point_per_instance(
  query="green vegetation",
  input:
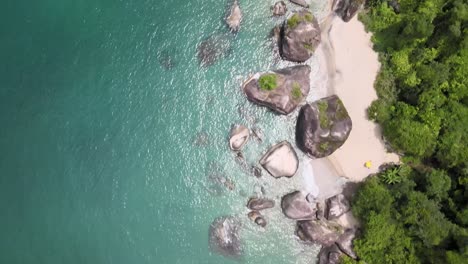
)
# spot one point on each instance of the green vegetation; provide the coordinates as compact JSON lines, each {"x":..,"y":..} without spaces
{"x":296,"y":19}
{"x":296,"y":92}
{"x":308,"y":17}
{"x":324,"y":146}
{"x":341,"y":112}
{"x":308,"y":47}
{"x":418,"y":212}
{"x":323,"y":116}
{"x":268,"y":82}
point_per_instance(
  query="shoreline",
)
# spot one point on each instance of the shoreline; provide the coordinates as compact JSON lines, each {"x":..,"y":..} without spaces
{"x":351,"y":67}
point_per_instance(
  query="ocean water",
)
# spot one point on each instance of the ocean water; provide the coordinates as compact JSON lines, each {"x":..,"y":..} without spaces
{"x":113,"y":139}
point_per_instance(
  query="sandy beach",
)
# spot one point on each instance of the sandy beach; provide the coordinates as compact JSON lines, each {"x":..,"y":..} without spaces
{"x":357,"y":66}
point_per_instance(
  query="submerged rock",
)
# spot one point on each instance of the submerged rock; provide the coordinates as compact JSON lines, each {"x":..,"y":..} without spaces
{"x":201,"y":139}
{"x":224,"y":237}
{"x":257,"y":172}
{"x":337,"y":206}
{"x":302,"y":3}
{"x":238,"y":137}
{"x":258,"y":204}
{"x":345,"y":243}
{"x":301,"y":36}
{"x":330,"y":255}
{"x":295,"y":206}
{"x":322,"y":127}
{"x":257,"y":218}
{"x":320,"y":232}
{"x":218,"y":181}
{"x":213,"y":48}
{"x":347,"y":9}
{"x":235,"y":17}
{"x":279,"y":9}
{"x":280,"y":160}
{"x":281,"y":90}
{"x":166,"y":60}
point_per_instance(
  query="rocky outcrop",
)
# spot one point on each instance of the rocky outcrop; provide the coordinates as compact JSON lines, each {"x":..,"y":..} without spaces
{"x":258,"y":204}
{"x":330,"y":255}
{"x":224,"y":237}
{"x":279,"y":9}
{"x":320,"y":232}
{"x":238,"y":137}
{"x":235,"y":17}
{"x":280,"y":160}
{"x":337,"y":206}
{"x":347,"y":9}
{"x":345,"y":243}
{"x":302,"y":3}
{"x":295,"y":206}
{"x":300,"y":37}
{"x":213,"y":48}
{"x":281,"y":90}
{"x":257,"y":218}
{"x":322,"y":127}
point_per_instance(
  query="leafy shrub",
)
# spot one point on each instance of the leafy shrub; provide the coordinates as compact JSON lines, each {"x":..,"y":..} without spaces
{"x":268,"y":82}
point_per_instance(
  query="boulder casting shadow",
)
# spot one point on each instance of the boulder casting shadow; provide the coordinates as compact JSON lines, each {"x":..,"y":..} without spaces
{"x":322,"y":127}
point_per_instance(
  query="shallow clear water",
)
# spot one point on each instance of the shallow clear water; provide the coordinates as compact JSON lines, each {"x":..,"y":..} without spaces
{"x":106,"y":155}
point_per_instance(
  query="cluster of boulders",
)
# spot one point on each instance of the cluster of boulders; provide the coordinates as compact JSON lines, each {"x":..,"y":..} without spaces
{"x":322,"y":127}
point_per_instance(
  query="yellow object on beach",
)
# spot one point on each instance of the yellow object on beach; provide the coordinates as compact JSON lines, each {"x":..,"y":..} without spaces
{"x":368,"y":164}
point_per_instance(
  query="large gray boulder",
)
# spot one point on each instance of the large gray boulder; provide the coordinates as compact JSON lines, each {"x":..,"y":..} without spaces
{"x":224,"y":237}
{"x":295,"y":206}
{"x":260,"y":203}
{"x":330,"y":255}
{"x":279,"y":9}
{"x":345,"y":243}
{"x":301,"y":36}
{"x":337,"y":206}
{"x":320,"y":232}
{"x":302,"y":3}
{"x":322,"y":127}
{"x":234,"y":17}
{"x":238,"y":137}
{"x":280,"y":160}
{"x":280,"y":90}
{"x":347,"y":9}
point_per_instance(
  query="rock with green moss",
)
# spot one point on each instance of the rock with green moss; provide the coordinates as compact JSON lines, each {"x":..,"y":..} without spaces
{"x":322,"y":127}
{"x":301,"y":36}
{"x":347,"y":9}
{"x":281,"y":90}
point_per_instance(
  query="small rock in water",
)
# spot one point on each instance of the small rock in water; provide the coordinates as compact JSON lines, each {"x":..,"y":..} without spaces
{"x":257,"y":218}
{"x":257,"y":133}
{"x":238,"y":137}
{"x":279,"y":9}
{"x":258,"y":204}
{"x":166,"y":60}
{"x":235,"y":17}
{"x":257,"y":172}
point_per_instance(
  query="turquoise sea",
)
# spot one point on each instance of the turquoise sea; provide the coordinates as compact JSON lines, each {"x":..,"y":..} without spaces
{"x":113,"y":138}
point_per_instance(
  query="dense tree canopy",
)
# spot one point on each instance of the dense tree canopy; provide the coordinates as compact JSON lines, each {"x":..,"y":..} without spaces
{"x":417,"y":212}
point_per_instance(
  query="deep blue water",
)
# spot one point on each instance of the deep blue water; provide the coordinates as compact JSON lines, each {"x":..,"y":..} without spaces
{"x":99,"y":157}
